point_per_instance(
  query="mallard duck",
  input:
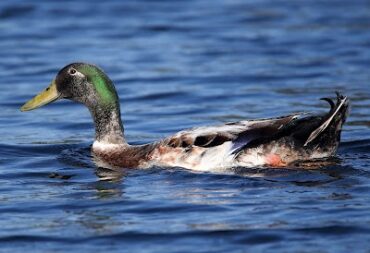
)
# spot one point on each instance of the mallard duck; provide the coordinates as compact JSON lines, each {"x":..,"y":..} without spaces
{"x":271,"y":142}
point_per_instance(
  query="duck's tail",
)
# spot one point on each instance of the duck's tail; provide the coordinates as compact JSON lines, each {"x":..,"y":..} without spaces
{"x":333,"y":122}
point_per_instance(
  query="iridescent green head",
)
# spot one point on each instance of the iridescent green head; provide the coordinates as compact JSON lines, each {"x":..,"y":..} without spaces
{"x":80,"y":82}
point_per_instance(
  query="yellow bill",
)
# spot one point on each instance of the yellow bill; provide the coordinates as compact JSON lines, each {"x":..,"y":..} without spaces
{"x":47,"y":96}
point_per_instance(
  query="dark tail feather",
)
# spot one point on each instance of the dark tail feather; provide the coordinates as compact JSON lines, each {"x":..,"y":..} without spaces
{"x":337,"y":115}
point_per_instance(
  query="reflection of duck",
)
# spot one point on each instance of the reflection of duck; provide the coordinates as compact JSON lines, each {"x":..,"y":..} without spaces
{"x":264,"y":142}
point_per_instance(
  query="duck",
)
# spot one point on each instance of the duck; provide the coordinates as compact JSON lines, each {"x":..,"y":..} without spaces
{"x":266,"y":142}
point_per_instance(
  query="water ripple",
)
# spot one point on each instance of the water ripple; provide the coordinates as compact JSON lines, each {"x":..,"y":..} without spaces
{"x":179,"y":64}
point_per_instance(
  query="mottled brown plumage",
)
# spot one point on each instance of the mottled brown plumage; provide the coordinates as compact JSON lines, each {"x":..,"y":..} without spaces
{"x":125,"y":156}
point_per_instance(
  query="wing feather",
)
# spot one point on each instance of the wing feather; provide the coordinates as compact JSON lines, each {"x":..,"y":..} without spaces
{"x":240,"y":133}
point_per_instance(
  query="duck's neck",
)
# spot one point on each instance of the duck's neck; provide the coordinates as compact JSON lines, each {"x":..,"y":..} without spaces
{"x":101,"y":98}
{"x":108,"y":124}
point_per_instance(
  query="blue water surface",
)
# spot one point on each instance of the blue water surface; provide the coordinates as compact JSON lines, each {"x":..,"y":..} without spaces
{"x":179,"y":64}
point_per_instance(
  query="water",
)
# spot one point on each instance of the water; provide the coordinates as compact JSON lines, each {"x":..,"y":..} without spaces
{"x":178,"y":64}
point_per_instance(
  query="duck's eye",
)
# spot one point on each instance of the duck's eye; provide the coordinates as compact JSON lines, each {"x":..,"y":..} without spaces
{"x":72,"y":71}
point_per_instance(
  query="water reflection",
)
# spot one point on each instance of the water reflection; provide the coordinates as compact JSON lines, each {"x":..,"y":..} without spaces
{"x":110,"y":175}
{"x":95,"y":221}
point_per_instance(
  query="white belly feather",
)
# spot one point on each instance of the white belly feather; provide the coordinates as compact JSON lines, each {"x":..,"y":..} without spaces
{"x":216,"y":158}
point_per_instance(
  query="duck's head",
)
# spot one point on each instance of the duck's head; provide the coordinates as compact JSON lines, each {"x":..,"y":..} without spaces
{"x":80,"y":82}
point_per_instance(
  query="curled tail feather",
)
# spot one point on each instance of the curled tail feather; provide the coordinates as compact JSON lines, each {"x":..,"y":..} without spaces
{"x":336,"y":110}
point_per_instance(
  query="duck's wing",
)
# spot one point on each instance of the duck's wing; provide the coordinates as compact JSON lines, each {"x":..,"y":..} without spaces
{"x":238,"y":133}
